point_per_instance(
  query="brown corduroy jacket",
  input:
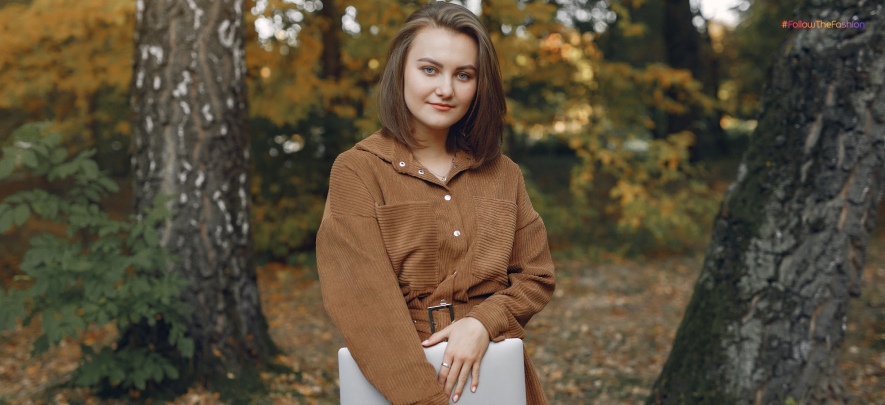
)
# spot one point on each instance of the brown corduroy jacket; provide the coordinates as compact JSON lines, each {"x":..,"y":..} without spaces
{"x":394,"y":240}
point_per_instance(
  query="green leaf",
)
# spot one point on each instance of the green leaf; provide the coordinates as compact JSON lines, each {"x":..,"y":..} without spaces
{"x":80,"y":266}
{"x":50,"y":208}
{"x":89,"y":169}
{"x":170,"y":371}
{"x":41,"y":345}
{"x":88,"y":375}
{"x":29,"y":158}
{"x":7,"y":217}
{"x":71,"y":323}
{"x":62,"y":171}
{"x":51,"y":329}
{"x":22,"y":213}
{"x":6,"y":167}
{"x":108,"y":184}
{"x":138,"y":378}
{"x":151,"y":237}
{"x":58,"y":155}
{"x":12,"y":302}
{"x":153,"y":369}
{"x":92,"y":194}
{"x":186,"y":347}
{"x":116,"y":373}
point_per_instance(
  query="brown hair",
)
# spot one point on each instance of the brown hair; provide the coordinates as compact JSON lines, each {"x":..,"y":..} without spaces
{"x":480,"y":131}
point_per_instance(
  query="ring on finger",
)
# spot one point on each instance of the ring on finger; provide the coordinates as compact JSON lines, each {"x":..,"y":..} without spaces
{"x":446,"y":365}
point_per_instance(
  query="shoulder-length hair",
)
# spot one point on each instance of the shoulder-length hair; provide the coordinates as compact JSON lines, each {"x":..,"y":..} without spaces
{"x":480,"y":131}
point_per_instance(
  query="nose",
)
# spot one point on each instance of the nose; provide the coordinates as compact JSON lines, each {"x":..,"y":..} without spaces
{"x":445,"y":89}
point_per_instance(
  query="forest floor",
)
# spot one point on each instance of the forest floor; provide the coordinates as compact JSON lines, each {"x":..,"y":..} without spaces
{"x":602,"y":340}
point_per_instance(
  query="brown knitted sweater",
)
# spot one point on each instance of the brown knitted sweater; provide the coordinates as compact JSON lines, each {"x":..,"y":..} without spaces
{"x":395,"y":240}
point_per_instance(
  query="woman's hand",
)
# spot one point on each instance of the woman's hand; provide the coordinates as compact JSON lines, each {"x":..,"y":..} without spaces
{"x":468,"y":342}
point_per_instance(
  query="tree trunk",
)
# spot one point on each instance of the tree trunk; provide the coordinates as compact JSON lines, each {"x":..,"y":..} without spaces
{"x":687,"y":49}
{"x":191,"y":144}
{"x":768,"y":314}
{"x":332,"y":65}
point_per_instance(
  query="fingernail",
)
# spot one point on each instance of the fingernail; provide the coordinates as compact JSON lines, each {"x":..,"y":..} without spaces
{"x":424,"y":342}
{"x":455,"y":398}
{"x":473,"y":389}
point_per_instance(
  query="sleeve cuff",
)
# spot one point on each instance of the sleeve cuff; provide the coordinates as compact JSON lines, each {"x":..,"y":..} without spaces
{"x":493,"y":317}
{"x":439,"y":398}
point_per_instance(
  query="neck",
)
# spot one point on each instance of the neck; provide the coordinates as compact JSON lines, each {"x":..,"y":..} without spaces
{"x":433,"y":145}
{"x":431,"y":152}
{"x":431,"y":139}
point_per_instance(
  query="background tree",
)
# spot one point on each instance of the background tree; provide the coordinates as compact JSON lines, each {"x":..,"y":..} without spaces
{"x":689,"y":49}
{"x":748,"y":53}
{"x":190,"y":143}
{"x":767,"y":318}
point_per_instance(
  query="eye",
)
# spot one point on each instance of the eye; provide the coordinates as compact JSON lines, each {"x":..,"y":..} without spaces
{"x":429,"y":70}
{"x":464,"y":76}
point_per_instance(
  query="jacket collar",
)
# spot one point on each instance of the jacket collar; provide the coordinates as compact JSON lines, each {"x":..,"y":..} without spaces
{"x":400,"y":156}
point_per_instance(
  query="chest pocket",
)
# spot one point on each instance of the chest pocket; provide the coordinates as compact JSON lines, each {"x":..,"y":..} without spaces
{"x":410,"y":236}
{"x":496,"y":226}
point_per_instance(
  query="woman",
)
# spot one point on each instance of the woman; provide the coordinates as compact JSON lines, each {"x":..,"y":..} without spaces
{"x":428,"y":211}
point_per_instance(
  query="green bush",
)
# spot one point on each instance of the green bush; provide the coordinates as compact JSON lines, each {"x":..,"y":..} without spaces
{"x":98,"y":271}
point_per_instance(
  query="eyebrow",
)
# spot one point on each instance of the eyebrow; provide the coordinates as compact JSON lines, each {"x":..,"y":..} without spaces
{"x":437,"y":64}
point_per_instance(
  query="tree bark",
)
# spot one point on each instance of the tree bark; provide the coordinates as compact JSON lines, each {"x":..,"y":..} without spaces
{"x":768,"y":314}
{"x":188,"y":98}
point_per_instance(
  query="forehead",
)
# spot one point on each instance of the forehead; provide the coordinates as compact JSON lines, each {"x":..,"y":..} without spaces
{"x":443,"y":45}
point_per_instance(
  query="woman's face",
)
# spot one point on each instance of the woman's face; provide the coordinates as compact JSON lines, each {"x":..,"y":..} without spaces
{"x":439,"y":79}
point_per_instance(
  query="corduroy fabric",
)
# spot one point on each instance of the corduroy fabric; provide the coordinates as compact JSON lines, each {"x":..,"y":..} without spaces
{"x":395,"y":240}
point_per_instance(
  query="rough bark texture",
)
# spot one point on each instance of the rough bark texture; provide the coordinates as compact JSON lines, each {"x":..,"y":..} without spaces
{"x":190,"y":143}
{"x":767,"y":318}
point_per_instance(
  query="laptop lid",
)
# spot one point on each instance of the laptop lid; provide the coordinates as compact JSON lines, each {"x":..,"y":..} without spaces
{"x":501,"y":377}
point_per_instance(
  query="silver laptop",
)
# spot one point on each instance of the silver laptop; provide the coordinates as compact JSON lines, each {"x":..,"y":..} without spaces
{"x":501,"y":377}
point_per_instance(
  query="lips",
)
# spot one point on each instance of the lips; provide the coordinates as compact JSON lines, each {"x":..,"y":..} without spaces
{"x":441,"y":106}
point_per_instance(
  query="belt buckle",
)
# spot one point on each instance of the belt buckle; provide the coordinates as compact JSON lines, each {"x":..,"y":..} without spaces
{"x":442,"y":305}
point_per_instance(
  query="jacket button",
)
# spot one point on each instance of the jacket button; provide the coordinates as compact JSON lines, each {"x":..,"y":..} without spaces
{"x":420,"y":171}
{"x":448,"y":197}
{"x":457,"y":233}
{"x":402,"y":164}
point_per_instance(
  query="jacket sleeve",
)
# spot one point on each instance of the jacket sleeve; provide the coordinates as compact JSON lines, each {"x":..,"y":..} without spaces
{"x":362,"y":296}
{"x":530,"y":272}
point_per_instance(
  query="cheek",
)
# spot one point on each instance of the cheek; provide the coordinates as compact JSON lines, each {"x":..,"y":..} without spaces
{"x":468,"y":91}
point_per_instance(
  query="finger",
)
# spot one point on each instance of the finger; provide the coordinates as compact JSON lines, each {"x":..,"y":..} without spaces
{"x":452,"y":377}
{"x":444,"y":370}
{"x":438,"y":337}
{"x":474,"y":382}
{"x":462,"y":380}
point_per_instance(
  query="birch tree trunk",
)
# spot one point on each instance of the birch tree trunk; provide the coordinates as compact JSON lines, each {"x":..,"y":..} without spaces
{"x":768,"y":314}
{"x":190,"y":143}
